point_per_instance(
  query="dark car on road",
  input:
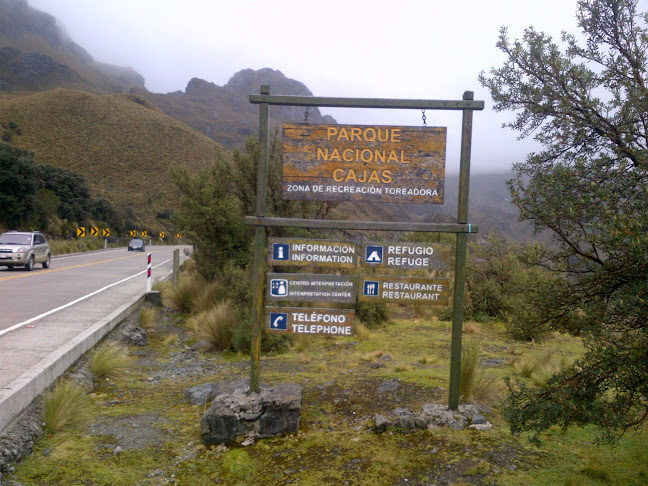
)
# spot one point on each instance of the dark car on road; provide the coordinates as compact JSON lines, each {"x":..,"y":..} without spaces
{"x":136,"y":245}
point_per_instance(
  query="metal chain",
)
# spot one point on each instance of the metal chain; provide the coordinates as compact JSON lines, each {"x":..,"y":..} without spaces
{"x":424,"y":118}
{"x":306,"y":114}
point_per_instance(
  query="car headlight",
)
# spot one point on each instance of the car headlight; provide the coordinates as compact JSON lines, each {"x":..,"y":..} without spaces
{"x":21,"y":250}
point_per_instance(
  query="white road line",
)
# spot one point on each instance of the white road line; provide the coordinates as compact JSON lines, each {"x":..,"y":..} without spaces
{"x":33,"y":319}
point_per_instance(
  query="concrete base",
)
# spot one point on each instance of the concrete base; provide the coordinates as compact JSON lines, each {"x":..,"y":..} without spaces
{"x":154,"y":297}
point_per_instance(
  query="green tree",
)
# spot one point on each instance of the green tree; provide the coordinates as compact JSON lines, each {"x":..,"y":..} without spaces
{"x":18,"y":185}
{"x":502,"y":284}
{"x":586,"y":103}
{"x":212,"y":217}
{"x":71,"y":189}
{"x":244,"y":175}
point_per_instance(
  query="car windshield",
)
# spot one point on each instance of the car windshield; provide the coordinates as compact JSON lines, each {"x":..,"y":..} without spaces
{"x":15,"y":239}
{"x":136,"y":242}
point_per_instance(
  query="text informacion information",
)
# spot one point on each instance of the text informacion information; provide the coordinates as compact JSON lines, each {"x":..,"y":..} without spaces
{"x":417,"y":290}
{"x":308,"y":287}
{"x":406,"y":255}
{"x":396,"y":164}
{"x":321,"y":253}
{"x":302,"y":320}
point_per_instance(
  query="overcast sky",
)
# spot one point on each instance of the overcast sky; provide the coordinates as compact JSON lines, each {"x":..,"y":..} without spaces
{"x":431,"y":49}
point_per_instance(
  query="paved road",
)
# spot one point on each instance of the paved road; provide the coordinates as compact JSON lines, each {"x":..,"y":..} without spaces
{"x":25,"y":295}
{"x":49,"y":318}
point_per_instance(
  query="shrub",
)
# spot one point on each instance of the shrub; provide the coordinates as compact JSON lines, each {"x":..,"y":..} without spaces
{"x":502,"y":284}
{"x":372,"y":314}
{"x":109,"y":361}
{"x":65,"y":406}
{"x":215,"y":326}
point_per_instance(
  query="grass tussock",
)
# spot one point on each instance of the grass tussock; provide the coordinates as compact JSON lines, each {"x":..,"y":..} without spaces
{"x":403,"y":368}
{"x":476,"y":383}
{"x":540,"y":366}
{"x":216,"y":326}
{"x":374,"y":355}
{"x":420,"y":311}
{"x":426,"y":360}
{"x":594,"y":471}
{"x":472,"y":328}
{"x":182,"y":297}
{"x":147,"y":318}
{"x":170,"y":340}
{"x":362,"y":332}
{"x":109,"y":361}
{"x":207,"y":297}
{"x":300,"y":342}
{"x":66,"y":406}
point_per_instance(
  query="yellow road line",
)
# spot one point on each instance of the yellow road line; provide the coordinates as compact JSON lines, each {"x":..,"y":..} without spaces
{"x":51,"y":270}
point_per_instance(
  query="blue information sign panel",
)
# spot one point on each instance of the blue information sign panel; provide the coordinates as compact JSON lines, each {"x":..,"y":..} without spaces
{"x":298,"y":252}
{"x":302,"y":320}
{"x":378,"y":288}
{"x":308,"y":287}
{"x":437,"y":256}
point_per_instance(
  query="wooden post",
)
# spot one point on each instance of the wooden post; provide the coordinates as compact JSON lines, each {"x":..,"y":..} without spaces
{"x":460,"y":257}
{"x":259,"y":244}
{"x":176,"y":267}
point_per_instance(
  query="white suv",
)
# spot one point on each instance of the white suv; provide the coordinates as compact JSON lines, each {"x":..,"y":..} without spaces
{"x":24,"y":249}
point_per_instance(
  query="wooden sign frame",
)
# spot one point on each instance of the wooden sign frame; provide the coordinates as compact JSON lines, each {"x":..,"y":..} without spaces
{"x":462,"y":228}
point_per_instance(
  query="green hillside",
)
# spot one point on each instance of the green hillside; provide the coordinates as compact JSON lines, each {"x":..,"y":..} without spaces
{"x":121,"y":144}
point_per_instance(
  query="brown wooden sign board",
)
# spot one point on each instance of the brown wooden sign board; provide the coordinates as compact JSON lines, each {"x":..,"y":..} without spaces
{"x":320,"y":253}
{"x":396,"y":164}
{"x":406,"y":255}
{"x":305,"y":287}
{"x":415,"y":290}
{"x":304,"y":320}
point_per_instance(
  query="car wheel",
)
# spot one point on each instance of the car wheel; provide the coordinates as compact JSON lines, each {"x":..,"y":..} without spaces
{"x":30,"y":264}
{"x":46,"y":263}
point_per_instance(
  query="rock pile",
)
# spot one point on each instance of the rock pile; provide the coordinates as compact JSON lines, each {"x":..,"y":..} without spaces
{"x":433,"y":415}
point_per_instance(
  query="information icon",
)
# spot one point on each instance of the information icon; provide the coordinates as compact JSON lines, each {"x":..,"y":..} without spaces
{"x":280,"y":251}
{"x":278,"y":287}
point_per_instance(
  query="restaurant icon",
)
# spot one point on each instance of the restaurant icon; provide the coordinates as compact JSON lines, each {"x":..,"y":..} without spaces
{"x":370,"y":288}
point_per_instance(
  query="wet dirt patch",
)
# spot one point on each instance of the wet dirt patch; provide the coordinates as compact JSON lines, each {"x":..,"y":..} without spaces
{"x":132,"y":432}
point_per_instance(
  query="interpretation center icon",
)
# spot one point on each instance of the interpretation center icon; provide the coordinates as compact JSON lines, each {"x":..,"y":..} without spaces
{"x":279,"y":320}
{"x":278,"y":287}
{"x":370,"y":288}
{"x":374,"y":254}
{"x":280,"y":251}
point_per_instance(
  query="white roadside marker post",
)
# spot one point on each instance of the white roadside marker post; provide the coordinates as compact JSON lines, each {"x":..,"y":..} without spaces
{"x":149,"y":284}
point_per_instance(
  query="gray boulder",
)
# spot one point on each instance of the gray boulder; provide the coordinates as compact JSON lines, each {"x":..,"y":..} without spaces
{"x":133,"y":335}
{"x":271,"y":412}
